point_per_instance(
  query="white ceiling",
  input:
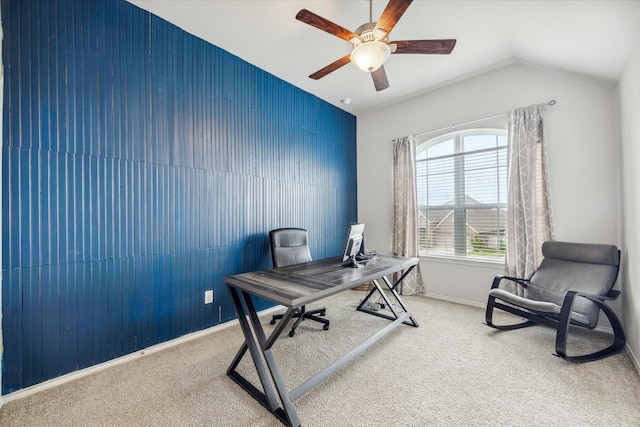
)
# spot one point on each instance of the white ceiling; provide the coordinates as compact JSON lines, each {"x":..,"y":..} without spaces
{"x":590,"y":38}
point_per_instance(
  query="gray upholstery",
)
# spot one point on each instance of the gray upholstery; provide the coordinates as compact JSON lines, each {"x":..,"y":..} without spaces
{"x":539,"y":305}
{"x":289,"y":246}
{"x":569,"y":287}
{"x":588,"y":268}
{"x":581,"y":252}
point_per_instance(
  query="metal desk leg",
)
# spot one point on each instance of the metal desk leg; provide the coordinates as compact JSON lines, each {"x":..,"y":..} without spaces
{"x":412,"y":321}
{"x":397,"y":296}
{"x":259,"y":347}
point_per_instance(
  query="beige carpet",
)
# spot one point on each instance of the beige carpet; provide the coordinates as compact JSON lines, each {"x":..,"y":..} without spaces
{"x":451,"y":371}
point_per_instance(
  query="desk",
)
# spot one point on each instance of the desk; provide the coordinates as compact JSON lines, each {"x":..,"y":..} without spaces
{"x":293,"y":287}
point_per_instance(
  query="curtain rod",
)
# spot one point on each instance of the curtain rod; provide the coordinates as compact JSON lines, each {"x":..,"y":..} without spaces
{"x":453,"y":126}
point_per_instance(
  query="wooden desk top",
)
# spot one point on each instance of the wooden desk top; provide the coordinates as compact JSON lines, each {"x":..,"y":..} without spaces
{"x":301,"y":284}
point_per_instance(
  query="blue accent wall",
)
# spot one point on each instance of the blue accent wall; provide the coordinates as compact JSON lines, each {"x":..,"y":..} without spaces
{"x":141,"y":165}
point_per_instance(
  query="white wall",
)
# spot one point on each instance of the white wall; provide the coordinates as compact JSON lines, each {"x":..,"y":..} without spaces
{"x":583,"y":143}
{"x":629,"y":93}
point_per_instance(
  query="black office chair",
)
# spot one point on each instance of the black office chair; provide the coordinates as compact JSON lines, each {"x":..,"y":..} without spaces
{"x":290,"y":246}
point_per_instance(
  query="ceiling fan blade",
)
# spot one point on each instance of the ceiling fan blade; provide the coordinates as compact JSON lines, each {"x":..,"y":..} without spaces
{"x":391,"y":14}
{"x":380,"y":79}
{"x":331,"y":67}
{"x":325,"y":25}
{"x":438,"y":47}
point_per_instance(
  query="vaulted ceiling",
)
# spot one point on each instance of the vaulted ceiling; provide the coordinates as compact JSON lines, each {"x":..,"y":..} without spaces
{"x":590,"y":38}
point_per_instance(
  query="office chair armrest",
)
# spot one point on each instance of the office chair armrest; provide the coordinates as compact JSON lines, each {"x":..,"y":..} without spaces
{"x":611,"y":295}
{"x":520,"y":281}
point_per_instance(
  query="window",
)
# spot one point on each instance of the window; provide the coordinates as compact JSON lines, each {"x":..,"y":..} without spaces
{"x":462,"y":194}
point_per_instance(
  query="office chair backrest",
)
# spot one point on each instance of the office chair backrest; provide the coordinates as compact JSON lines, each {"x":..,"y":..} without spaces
{"x":289,"y":246}
{"x":590,"y":268}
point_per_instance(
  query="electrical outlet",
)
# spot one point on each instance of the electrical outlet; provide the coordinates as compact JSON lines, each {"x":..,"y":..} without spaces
{"x":208,"y":296}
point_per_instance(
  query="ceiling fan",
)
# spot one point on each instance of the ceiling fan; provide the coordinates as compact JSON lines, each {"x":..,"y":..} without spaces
{"x":371,"y":45}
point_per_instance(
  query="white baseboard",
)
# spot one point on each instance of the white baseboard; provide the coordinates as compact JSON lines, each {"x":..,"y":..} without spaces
{"x":599,"y":328}
{"x":185,"y":338}
{"x":456,"y":300}
{"x":27,"y":391}
{"x":634,"y":358}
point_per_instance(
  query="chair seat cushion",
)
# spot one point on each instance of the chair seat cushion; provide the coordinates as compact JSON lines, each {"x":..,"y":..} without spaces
{"x":535,"y":306}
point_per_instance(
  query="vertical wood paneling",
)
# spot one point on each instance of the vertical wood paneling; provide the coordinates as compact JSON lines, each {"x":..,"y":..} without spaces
{"x":141,"y":165}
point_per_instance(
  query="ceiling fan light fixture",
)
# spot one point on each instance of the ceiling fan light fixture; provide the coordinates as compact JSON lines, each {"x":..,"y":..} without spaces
{"x":371,"y":47}
{"x":380,"y":34}
{"x":370,"y":56}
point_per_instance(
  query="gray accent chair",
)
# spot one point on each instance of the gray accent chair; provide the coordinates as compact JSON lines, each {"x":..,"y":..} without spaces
{"x":290,"y":246}
{"x":569,"y":288}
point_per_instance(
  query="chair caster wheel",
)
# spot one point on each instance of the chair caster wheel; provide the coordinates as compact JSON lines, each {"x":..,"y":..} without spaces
{"x":325,"y":327}
{"x":322,"y":313}
{"x":273,"y":321}
{"x":292,"y":333}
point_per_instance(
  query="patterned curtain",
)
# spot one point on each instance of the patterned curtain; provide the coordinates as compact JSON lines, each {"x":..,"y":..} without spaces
{"x":529,"y":221}
{"x":405,"y":210}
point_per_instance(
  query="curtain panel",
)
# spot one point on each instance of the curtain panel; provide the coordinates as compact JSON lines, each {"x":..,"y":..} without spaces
{"x":529,"y":220}
{"x":405,"y":210}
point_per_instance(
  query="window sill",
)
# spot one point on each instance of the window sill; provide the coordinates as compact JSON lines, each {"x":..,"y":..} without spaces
{"x":475,"y":261}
